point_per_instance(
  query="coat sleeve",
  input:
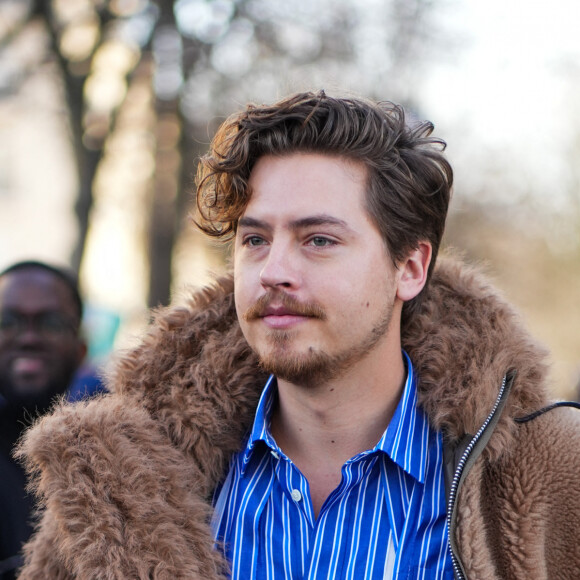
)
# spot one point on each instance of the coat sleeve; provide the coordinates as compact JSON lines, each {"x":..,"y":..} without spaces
{"x":118,"y":499}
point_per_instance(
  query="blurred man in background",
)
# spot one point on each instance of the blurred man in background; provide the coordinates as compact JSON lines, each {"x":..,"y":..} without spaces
{"x":40,"y":351}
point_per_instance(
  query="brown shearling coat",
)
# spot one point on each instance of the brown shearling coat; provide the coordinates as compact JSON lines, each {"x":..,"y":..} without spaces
{"x":125,"y":479}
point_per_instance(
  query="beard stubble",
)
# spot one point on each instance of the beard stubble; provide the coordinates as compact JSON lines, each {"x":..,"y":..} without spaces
{"x":312,"y":367}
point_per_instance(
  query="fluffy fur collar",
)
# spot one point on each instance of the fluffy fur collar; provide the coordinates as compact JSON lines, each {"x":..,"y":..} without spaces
{"x":197,"y":377}
{"x":120,"y":498}
{"x":195,"y":373}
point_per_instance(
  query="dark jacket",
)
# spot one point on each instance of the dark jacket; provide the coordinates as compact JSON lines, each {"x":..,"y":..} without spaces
{"x":16,"y":505}
{"x":126,"y":479}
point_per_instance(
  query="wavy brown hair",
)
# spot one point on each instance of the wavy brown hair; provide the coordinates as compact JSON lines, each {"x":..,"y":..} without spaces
{"x":409,"y":179}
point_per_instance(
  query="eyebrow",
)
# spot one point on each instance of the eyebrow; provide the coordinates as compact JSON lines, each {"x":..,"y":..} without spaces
{"x":315,"y":220}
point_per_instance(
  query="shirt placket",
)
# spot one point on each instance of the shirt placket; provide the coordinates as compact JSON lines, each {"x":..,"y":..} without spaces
{"x":353,"y":473}
{"x":295,"y":487}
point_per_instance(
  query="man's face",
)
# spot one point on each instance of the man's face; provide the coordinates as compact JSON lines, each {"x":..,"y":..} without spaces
{"x":315,"y":287}
{"x":39,"y":345}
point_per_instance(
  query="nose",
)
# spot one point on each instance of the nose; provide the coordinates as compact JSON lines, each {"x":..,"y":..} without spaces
{"x":280,"y":269}
{"x":29,"y":335}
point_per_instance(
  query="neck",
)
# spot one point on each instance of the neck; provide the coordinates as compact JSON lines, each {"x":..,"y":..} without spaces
{"x":320,"y":427}
{"x":341,"y":417}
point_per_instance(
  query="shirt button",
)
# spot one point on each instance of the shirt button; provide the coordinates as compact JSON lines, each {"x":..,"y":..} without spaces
{"x":296,"y":495}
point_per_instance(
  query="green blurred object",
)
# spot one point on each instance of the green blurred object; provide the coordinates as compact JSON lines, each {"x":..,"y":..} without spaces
{"x":100,"y":326}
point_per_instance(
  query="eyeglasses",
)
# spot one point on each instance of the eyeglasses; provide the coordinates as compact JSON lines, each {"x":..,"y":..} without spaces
{"x":47,"y":324}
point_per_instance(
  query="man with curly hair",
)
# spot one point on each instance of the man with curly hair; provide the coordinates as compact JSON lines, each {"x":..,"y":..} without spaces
{"x":339,"y":407}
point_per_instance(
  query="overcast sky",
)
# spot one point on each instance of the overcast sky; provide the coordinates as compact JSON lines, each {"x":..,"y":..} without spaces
{"x":513,"y":81}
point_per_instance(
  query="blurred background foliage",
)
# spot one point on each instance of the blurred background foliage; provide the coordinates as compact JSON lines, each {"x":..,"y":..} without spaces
{"x":105,"y":106}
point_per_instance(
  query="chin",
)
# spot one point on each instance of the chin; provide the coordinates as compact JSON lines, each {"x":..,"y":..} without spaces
{"x":301,"y":369}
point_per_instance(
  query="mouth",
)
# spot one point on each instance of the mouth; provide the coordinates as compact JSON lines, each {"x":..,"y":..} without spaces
{"x":283,"y":311}
{"x":279,"y":311}
{"x":283,"y":319}
{"x":27,"y":366}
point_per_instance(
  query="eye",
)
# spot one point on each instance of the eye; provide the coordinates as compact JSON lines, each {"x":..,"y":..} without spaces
{"x":9,"y":322}
{"x":321,"y":241}
{"x":253,"y":241}
{"x":52,"y":323}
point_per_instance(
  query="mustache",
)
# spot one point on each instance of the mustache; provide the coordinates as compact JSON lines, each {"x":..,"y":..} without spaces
{"x":289,"y":303}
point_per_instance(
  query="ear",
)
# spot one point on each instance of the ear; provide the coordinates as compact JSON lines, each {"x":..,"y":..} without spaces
{"x":82,"y":350}
{"x":413,"y":272}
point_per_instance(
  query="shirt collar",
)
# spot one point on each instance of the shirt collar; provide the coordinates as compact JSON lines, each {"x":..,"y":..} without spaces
{"x":405,"y":440}
{"x":261,"y":428}
{"x":407,"y":437}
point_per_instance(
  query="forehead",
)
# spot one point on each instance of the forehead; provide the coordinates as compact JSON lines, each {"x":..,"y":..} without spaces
{"x":303,"y":182}
{"x":35,"y":290}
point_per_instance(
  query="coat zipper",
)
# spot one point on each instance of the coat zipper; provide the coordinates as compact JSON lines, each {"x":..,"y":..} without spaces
{"x":466,"y":461}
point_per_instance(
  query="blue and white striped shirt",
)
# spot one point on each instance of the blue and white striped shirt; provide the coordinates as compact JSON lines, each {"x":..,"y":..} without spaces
{"x":385,"y":520}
